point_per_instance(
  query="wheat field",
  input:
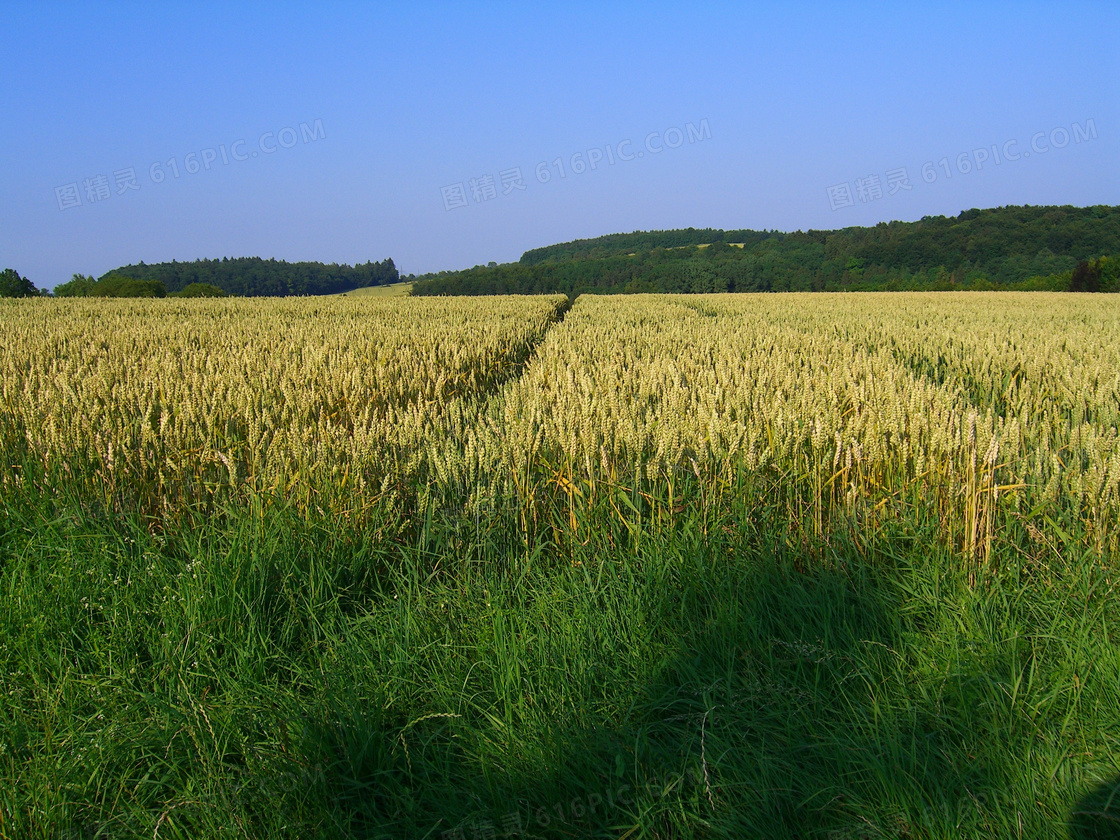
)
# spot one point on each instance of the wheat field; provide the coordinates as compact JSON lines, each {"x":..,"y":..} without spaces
{"x":776,"y":566}
{"x":969,"y":404}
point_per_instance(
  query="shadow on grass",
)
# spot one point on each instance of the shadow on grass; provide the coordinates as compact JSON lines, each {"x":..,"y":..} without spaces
{"x":784,"y":708}
{"x":689,"y":689}
{"x":785,"y":714}
{"x":1097,"y":815}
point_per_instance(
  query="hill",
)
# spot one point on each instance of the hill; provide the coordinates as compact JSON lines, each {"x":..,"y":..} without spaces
{"x":1007,"y":247}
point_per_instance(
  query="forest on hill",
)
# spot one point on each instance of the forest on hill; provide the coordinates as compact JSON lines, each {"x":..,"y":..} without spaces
{"x":1043,"y":248}
{"x":1007,"y":248}
{"x":256,"y":277}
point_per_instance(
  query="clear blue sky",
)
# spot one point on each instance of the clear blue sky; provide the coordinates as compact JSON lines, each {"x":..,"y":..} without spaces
{"x":391,"y":107}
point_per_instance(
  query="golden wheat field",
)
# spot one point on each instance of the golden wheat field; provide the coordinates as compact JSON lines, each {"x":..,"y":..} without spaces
{"x":969,"y":403}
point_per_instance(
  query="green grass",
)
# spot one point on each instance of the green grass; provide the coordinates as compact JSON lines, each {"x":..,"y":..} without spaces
{"x":259,"y":675}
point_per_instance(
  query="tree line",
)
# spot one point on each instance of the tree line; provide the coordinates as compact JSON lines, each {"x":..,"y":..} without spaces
{"x":1042,"y":248}
{"x":247,"y":276}
{"x":116,"y":285}
{"x":256,"y":277}
{"x":1029,"y":248}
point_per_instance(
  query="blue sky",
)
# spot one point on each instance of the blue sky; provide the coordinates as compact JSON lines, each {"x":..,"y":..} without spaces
{"x":383,"y":130}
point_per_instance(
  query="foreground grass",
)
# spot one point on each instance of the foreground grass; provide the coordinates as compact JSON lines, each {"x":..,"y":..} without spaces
{"x":259,"y":675}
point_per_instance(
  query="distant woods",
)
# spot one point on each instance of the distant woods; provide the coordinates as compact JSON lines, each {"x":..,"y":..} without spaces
{"x":245,"y":276}
{"x":1007,"y":248}
{"x":1013,"y":248}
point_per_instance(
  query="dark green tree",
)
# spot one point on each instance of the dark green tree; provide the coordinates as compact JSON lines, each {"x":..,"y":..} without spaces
{"x":1085,"y":278}
{"x":12,"y":285}
{"x":80,"y":285}
{"x":1108,"y":274}
{"x":115,"y":285}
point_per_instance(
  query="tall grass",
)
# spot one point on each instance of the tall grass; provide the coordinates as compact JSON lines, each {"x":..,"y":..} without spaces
{"x":270,"y":675}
